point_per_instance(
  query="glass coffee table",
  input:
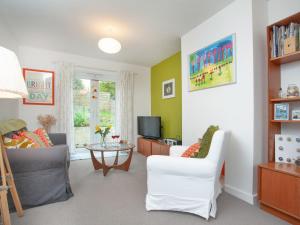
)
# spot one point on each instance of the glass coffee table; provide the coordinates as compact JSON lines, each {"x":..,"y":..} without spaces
{"x":111,"y":147}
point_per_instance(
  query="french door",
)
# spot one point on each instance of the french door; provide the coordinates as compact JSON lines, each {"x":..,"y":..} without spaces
{"x":94,"y":103}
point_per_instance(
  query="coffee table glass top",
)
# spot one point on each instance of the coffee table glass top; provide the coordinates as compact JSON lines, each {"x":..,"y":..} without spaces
{"x":109,"y":147}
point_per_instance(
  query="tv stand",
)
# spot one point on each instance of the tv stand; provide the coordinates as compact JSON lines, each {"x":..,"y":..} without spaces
{"x":150,"y":138}
{"x":149,"y":147}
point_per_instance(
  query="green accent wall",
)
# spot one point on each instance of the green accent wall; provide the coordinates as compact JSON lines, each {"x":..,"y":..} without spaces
{"x":169,"y":109}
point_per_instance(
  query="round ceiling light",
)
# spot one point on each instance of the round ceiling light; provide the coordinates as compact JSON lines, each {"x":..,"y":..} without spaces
{"x":109,"y":45}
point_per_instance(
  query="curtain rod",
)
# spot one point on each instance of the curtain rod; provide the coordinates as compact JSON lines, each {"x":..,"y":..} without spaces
{"x":93,"y":68}
{"x":87,"y":67}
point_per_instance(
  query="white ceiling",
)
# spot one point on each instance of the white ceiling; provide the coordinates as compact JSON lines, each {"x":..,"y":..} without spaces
{"x":149,"y":30}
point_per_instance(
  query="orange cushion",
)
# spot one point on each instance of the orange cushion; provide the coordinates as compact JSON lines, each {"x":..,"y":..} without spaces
{"x":44,"y":136}
{"x":191,"y":150}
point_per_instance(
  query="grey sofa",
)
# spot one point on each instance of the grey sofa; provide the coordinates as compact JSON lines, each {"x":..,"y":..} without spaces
{"x":41,"y":175}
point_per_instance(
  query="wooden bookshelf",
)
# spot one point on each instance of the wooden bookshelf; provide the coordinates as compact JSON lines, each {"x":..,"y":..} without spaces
{"x":274,"y":84}
{"x":285,"y":121}
{"x":286,"y":58}
{"x":275,"y":100}
{"x":275,"y":198}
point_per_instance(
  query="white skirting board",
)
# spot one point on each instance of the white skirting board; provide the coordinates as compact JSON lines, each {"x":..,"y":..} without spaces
{"x":247,"y":197}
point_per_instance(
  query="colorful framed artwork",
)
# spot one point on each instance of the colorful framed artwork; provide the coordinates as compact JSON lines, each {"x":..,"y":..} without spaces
{"x":295,"y":114}
{"x":40,"y":86}
{"x":281,"y":111}
{"x":213,"y":65}
{"x":168,"y":89}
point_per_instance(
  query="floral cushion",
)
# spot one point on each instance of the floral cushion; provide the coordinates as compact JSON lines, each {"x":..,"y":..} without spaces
{"x":42,"y":133}
{"x":191,"y":151}
{"x":18,"y":142}
{"x":36,"y":139}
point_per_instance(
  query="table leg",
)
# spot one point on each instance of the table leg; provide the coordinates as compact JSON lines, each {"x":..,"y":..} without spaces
{"x":105,"y":168}
{"x":125,"y":166}
{"x":97,"y":165}
{"x":116,"y":159}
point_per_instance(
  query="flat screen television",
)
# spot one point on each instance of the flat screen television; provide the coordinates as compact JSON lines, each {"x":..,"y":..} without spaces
{"x":149,"y":126}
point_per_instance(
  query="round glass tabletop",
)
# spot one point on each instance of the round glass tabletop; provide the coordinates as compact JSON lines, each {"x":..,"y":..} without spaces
{"x":110,"y":147}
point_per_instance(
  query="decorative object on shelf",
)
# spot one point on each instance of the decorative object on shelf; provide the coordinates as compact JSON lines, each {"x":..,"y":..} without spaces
{"x":281,"y":94}
{"x":40,"y":86}
{"x":295,"y":114}
{"x":168,"y":88}
{"x":213,"y":65}
{"x":290,"y":45}
{"x":47,"y":121}
{"x":103,"y":133}
{"x":287,"y":148}
{"x":292,"y":91}
{"x":281,"y":111}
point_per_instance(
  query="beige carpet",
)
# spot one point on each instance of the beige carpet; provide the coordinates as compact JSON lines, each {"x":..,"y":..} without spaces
{"x":118,"y":199}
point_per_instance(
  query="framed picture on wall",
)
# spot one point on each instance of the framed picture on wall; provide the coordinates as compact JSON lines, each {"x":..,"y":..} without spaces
{"x":40,"y":86}
{"x":213,"y":65}
{"x":168,"y":89}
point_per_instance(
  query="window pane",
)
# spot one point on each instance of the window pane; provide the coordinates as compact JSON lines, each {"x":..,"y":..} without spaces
{"x":81,"y":111}
{"x":107,"y":103}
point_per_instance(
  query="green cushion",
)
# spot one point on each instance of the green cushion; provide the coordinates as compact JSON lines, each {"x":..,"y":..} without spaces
{"x":206,"y":141}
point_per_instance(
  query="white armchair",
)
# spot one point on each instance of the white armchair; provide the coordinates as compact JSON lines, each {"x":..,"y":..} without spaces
{"x":186,"y":184}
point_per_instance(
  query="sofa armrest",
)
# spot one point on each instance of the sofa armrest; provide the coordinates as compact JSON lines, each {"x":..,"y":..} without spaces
{"x":181,"y":166}
{"x":58,"y":138}
{"x":177,"y":150}
{"x":36,"y":159}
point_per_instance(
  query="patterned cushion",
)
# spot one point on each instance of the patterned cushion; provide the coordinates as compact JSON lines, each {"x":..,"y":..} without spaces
{"x":18,"y":142}
{"x":190,"y":152}
{"x":42,"y":133}
{"x":13,"y":133}
{"x":34,"y":138}
{"x":206,"y":141}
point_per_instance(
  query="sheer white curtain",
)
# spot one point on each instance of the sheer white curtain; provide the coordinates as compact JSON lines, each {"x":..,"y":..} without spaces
{"x":126,"y":105}
{"x":65,"y":122}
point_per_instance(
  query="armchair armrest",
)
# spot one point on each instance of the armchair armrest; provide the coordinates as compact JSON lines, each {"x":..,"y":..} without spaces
{"x":181,"y":166}
{"x":177,"y":150}
{"x":36,"y":159}
{"x":58,"y":138}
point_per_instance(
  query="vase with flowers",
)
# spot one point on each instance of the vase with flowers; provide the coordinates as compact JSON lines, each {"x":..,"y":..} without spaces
{"x":103,"y":131}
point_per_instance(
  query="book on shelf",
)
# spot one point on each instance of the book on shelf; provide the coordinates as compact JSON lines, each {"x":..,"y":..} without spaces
{"x":280,"y":34}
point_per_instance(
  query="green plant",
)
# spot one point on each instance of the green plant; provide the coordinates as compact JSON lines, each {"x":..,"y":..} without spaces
{"x":108,"y":86}
{"x":81,"y":119}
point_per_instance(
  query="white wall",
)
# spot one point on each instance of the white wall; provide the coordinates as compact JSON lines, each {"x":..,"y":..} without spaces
{"x":260,"y":59}
{"x":45,"y":59}
{"x":8,"y":108}
{"x":277,"y":10}
{"x":231,"y":106}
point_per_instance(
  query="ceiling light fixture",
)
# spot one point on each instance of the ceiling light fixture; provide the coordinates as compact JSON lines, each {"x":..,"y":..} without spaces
{"x":109,"y":45}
